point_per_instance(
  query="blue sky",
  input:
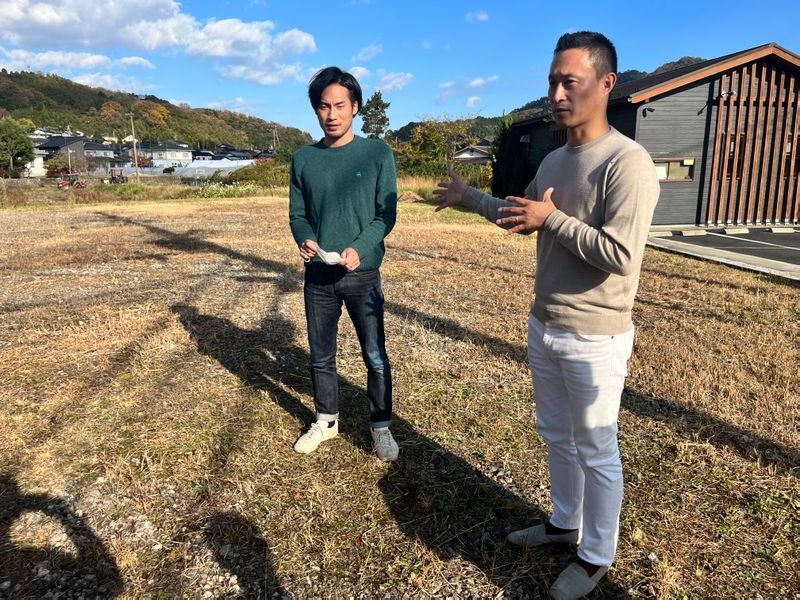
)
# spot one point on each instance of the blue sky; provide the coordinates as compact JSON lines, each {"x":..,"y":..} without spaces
{"x":429,"y":59}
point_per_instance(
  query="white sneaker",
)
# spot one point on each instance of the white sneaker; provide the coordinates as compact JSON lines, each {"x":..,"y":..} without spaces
{"x":316,"y":434}
{"x":384,"y":446}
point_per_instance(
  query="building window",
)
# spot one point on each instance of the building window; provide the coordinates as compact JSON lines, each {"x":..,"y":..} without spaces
{"x":675,"y":169}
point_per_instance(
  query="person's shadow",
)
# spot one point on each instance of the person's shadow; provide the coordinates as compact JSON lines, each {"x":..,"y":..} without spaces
{"x":26,"y":571}
{"x":434,"y":495}
{"x":240,"y":548}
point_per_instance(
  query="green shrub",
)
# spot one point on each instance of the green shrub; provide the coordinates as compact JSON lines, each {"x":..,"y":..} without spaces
{"x":267,"y":173}
{"x":232,"y":190}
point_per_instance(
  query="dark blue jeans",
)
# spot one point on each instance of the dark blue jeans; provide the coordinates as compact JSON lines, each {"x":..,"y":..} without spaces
{"x":326,"y":289}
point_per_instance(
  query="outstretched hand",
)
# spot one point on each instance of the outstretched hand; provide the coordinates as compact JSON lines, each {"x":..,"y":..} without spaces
{"x":449,"y":193}
{"x":529,"y":215}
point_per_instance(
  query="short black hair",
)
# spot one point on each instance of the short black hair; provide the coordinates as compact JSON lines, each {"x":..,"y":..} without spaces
{"x":330,"y":75}
{"x":601,"y":51}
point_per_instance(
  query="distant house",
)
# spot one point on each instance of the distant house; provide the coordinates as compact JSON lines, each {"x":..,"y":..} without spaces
{"x":99,"y":157}
{"x":167,"y":154}
{"x":202,"y":155}
{"x":721,"y":133}
{"x":71,"y":145}
{"x":36,"y":167}
{"x":56,"y":143}
{"x":473,"y":155}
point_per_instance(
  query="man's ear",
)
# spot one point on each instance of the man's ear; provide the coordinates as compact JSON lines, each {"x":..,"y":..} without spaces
{"x":355,"y":108}
{"x":609,"y":81}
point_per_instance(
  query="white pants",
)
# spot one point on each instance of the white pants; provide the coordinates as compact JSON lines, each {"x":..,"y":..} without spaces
{"x":577,"y":382}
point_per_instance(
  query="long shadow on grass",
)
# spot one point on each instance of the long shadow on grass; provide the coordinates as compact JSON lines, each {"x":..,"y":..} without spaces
{"x":467,"y":264}
{"x":683,"y":420}
{"x":189,"y":242}
{"x":83,"y":568}
{"x":434,"y":495}
{"x":240,"y":548}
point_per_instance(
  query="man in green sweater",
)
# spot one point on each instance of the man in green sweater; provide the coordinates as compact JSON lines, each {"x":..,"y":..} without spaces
{"x":591,"y":203}
{"x":342,"y":204}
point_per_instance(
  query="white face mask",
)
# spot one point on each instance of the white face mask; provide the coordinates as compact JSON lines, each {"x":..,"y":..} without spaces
{"x":329,"y":258}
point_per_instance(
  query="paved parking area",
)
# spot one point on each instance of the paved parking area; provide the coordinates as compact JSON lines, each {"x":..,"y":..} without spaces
{"x":758,"y":249}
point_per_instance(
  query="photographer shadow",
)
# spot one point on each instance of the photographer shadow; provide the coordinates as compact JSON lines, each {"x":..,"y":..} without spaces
{"x":239,"y":547}
{"x":28,"y":571}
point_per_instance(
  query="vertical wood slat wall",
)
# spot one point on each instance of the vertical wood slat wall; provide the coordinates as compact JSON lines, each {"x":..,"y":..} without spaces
{"x":754,"y":180}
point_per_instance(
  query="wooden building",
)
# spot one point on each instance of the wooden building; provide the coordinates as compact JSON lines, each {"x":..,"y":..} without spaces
{"x":721,"y":133}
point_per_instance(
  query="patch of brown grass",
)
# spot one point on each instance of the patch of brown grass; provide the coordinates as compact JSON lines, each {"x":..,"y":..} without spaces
{"x":153,"y":363}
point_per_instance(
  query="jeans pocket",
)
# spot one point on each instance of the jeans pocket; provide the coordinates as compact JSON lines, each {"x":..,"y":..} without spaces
{"x":592,"y":337}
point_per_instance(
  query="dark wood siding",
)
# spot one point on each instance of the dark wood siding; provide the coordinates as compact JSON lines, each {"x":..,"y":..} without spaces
{"x":754,"y":166}
{"x":677,"y":127}
{"x":623,"y":119}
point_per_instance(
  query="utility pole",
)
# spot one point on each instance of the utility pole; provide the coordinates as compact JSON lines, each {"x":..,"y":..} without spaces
{"x":135,"y":156}
{"x":69,"y":160}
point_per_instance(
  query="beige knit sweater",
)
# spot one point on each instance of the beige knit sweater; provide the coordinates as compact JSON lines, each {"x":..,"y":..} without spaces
{"x":589,"y":251}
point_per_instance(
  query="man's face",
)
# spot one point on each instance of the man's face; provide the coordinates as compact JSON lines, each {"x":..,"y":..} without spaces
{"x":577,"y":96}
{"x":336,"y":111}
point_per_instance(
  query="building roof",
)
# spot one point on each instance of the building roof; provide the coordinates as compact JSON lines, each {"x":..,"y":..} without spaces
{"x":647,"y":88}
{"x":479,"y":149}
{"x":96,"y":146}
{"x":166,"y":145}
{"x":57,"y":142}
{"x":644,"y":89}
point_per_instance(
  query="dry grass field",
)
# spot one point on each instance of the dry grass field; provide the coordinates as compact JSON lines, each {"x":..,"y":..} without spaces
{"x":153,"y":377}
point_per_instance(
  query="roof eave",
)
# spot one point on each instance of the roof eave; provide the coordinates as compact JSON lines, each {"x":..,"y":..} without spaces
{"x":735,"y":61}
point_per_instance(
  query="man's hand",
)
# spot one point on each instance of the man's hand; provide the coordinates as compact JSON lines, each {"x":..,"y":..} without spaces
{"x":449,"y":193}
{"x":308,"y":250}
{"x":528,"y":215}
{"x":350,"y":259}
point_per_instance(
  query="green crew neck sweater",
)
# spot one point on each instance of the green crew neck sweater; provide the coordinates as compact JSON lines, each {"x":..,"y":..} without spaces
{"x":344,"y":197}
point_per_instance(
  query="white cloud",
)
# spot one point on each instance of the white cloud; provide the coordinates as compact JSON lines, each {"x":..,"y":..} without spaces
{"x":359,"y":73}
{"x":481,"y":81}
{"x":270,"y":76}
{"x":425,"y":45}
{"x":294,"y":41}
{"x":111,"y":82}
{"x":473,"y":102}
{"x":391,"y":82}
{"x":136,"y":61}
{"x":367,"y":53}
{"x":447,"y":84}
{"x":251,"y":50}
{"x":237,"y":104}
{"x":151,"y":34}
{"x":143,"y":24}
{"x":231,"y":37}
{"x":24,"y":60}
{"x":477,"y":16}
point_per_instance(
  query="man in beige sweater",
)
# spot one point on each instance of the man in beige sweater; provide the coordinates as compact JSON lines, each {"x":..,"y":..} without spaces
{"x":591,"y":203}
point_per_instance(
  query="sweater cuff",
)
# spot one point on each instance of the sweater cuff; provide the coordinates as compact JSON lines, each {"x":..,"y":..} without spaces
{"x":554,"y":220}
{"x":472,"y":198}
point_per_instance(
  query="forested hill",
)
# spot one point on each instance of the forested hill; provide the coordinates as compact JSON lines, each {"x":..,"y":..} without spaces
{"x":54,"y":102}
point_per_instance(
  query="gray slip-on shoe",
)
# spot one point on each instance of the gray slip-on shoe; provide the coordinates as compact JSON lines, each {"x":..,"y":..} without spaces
{"x":538,"y":536}
{"x":574,"y":582}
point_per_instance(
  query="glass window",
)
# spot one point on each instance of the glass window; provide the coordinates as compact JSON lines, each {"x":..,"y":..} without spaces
{"x":675,"y":169}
